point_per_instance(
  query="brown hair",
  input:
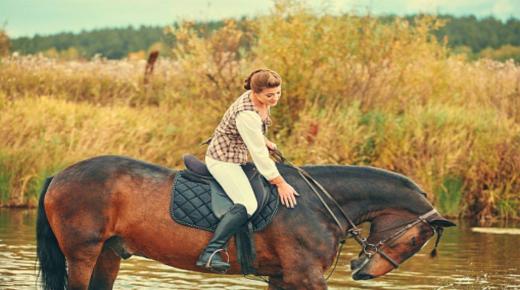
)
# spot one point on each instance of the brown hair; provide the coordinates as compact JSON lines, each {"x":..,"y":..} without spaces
{"x":261,"y":79}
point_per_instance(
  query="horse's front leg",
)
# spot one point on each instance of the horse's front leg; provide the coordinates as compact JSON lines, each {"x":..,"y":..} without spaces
{"x":299,"y":272}
{"x":298,"y":281}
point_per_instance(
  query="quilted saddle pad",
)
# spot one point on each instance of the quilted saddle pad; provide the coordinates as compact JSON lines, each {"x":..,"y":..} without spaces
{"x":191,"y":203}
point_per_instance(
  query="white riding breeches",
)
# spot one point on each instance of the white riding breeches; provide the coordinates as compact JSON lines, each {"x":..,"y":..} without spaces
{"x":234,"y":182}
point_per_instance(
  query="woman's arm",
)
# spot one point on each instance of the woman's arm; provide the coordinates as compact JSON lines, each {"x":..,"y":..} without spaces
{"x":249,"y":126}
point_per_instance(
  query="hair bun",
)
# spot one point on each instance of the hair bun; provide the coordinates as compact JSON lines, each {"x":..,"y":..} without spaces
{"x":247,"y":83}
{"x":261,"y":79}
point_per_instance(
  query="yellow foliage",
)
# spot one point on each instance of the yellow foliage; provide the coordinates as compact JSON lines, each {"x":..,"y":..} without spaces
{"x":504,"y":53}
{"x":211,"y":67}
{"x":355,"y":91}
{"x":41,"y":135}
{"x":70,"y":53}
{"x":137,"y":55}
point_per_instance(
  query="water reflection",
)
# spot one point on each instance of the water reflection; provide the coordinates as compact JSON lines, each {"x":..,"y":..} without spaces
{"x":467,"y":260}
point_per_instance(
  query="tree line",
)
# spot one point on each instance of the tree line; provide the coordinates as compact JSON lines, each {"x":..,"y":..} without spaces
{"x":486,"y":36}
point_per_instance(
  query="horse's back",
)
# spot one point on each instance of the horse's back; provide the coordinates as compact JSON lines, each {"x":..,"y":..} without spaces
{"x":106,"y":183}
{"x":101,"y":169}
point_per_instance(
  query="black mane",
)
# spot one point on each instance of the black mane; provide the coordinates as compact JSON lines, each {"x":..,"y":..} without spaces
{"x":365,"y":171}
{"x":371,"y":187}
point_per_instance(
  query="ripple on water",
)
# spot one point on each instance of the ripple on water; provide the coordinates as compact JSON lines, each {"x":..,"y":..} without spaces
{"x":467,"y":260}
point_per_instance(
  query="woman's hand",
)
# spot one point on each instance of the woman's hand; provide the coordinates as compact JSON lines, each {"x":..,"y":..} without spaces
{"x":285,"y":191}
{"x":287,"y":194}
{"x":270,"y":145}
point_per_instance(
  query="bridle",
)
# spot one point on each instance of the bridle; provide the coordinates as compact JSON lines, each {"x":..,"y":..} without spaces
{"x":370,"y":249}
{"x":352,"y":231}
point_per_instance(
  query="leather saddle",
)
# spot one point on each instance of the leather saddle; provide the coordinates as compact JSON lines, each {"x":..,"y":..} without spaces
{"x":220,"y":202}
{"x":198,"y":201}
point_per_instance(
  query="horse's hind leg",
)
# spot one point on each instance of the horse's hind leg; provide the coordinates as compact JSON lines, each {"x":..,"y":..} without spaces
{"x":81,"y":265}
{"x":105,"y":272}
{"x":81,"y":249}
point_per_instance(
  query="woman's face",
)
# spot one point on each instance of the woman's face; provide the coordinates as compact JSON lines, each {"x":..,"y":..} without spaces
{"x":269,"y":96}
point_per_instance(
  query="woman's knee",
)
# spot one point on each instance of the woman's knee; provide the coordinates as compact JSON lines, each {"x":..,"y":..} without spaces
{"x":251,"y":205}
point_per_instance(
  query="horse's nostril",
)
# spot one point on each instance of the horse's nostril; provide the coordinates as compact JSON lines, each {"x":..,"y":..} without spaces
{"x":355,"y":264}
{"x":358,"y":263}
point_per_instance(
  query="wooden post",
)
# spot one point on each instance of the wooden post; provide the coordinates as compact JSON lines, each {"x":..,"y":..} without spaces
{"x":152,"y":58}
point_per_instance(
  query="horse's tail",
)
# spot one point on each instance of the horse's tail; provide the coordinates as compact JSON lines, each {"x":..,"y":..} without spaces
{"x":50,"y":257}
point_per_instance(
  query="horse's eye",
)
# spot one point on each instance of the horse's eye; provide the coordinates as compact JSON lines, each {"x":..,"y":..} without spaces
{"x":414,"y":242}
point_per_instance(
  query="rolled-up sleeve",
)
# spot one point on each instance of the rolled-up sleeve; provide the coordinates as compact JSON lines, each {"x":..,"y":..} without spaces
{"x":249,"y":126}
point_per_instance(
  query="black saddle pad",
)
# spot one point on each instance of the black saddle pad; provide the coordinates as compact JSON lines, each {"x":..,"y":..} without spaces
{"x":191,"y":204}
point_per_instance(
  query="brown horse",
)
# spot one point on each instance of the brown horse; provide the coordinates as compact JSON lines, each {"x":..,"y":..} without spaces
{"x":106,"y":208}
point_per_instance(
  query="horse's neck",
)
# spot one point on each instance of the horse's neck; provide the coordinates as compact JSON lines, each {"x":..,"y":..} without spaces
{"x":363,"y":193}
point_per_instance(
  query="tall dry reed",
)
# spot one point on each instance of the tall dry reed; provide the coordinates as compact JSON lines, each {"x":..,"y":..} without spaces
{"x":356,"y":91}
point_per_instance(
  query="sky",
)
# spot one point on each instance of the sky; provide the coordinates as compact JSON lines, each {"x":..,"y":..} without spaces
{"x":44,"y":17}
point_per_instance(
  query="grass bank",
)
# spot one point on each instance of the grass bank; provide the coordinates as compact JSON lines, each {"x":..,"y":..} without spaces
{"x":356,"y":91}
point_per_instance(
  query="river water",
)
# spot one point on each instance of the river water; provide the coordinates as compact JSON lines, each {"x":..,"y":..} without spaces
{"x":466,"y":260}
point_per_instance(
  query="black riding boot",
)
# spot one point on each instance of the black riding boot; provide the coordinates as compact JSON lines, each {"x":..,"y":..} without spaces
{"x":228,"y":225}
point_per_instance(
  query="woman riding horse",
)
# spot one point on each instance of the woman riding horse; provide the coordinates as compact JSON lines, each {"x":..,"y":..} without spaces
{"x":98,"y":211}
{"x":241,"y":131}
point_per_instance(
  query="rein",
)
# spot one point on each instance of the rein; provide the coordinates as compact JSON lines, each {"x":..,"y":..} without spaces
{"x":354,"y":232}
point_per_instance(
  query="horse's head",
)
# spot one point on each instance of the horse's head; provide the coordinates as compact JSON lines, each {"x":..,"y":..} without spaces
{"x":395,"y":237}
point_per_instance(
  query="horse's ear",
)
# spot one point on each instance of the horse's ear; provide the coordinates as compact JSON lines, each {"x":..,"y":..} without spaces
{"x":438,"y":220}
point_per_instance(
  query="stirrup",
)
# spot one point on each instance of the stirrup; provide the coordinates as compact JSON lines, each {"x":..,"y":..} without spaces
{"x":208,"y":263}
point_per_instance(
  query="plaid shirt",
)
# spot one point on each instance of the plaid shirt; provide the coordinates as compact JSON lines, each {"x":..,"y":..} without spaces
{"x":226,"y":143}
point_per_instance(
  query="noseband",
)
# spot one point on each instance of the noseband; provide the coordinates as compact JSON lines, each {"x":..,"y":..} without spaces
{"x":369,"y":249}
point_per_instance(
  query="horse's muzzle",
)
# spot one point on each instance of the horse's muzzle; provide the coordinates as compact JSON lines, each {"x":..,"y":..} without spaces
{"x":356,"y":267}
{"x":356,"y":264}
